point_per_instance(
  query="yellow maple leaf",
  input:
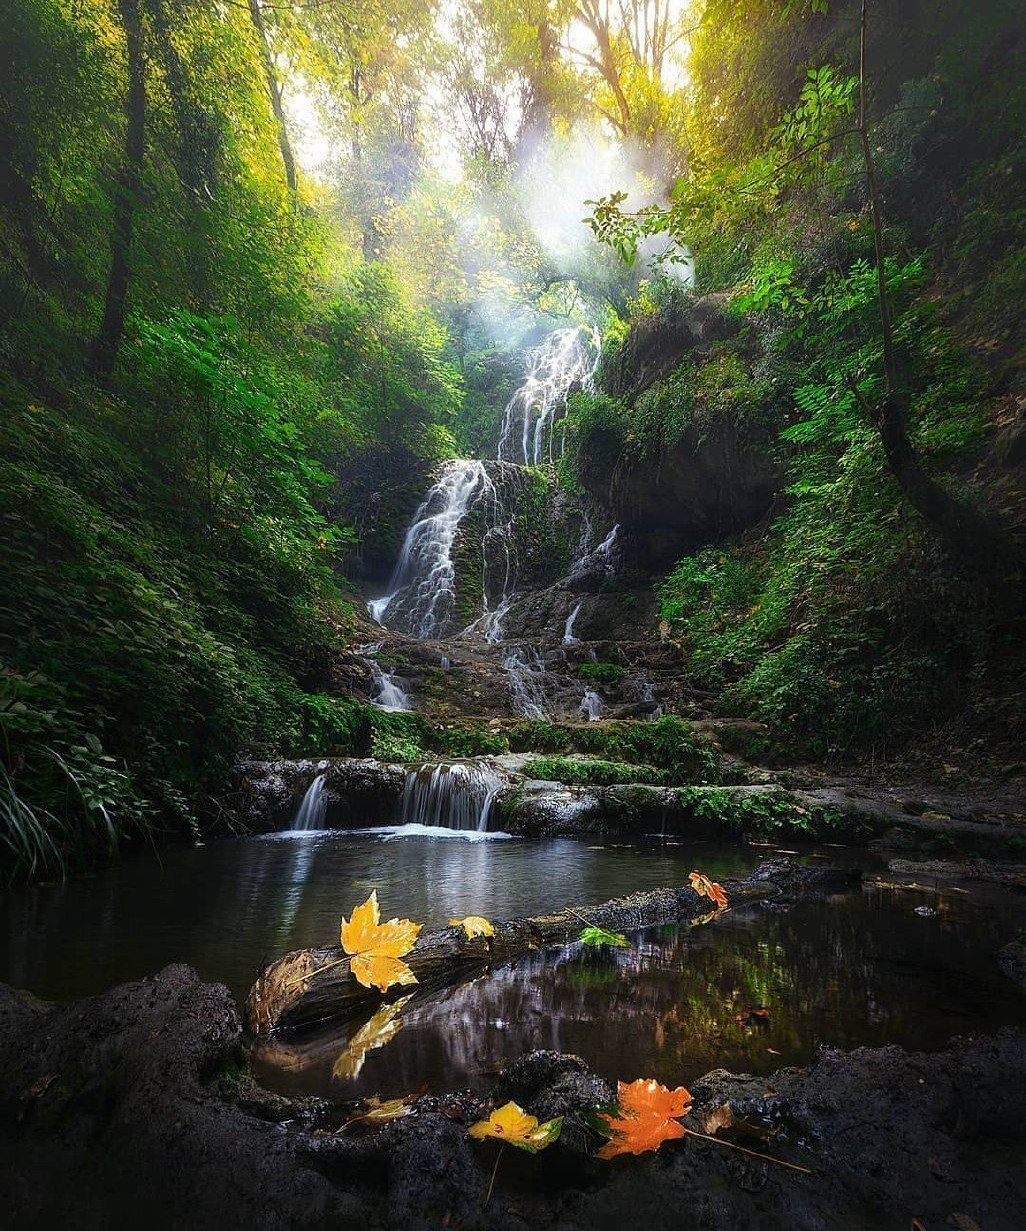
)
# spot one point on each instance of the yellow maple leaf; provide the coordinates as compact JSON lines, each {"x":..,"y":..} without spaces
{"x":473,"y":925}
{"x":382,"y":1028}
{"x":377,"y":948}
{"x":512,"y":1124}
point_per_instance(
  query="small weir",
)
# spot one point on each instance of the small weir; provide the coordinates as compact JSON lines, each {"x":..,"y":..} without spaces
{"x":450,"y":795}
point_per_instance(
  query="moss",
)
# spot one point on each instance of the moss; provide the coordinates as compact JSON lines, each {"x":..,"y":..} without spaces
{"x":601,"y":673}
{"x":592,"y":771}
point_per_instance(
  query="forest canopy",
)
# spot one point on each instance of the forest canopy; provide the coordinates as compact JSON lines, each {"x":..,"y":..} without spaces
{"x":263,"y":266}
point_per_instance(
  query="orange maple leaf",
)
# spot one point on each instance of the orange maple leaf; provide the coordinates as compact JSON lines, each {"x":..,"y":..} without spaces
{"x":377,"y":948}
{"x":709,"y":889}
{"x":648,"y":1116}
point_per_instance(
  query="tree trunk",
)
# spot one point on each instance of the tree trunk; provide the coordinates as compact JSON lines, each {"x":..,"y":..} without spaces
{"x":965,"y":532}
{"x":274,"y":89}
{"x":104,"y":349}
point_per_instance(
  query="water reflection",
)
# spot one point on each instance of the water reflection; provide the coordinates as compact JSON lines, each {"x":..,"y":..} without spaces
{"x":857,"y":970}
{"x":228,"y":907}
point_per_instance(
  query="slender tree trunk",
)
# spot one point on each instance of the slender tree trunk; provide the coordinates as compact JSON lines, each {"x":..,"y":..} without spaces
{"x":274,"y":89}
{"x":963,"y":530}
{"x":104,"y":349}
{"x":196,"y":156}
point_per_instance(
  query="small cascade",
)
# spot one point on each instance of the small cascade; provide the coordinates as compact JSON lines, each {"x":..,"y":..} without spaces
{"x":592,"y":705}
{"x":605,"y":548}
{"x":648,"y":696}
{"x":565,"y":358}
{"x":527,"y":677}
{"x":314,"y":806}
{"x":568,"y":628}
{"x":450,"y":795}
{"x":389,"y":693}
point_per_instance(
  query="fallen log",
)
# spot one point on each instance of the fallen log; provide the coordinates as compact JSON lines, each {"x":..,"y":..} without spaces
{"x":309,"y":988}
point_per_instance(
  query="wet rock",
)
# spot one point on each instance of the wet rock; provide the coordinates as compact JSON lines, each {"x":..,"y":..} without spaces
{"x":135,"y":1109}
{"x":1012,"y":960}
{"x":359,"y":791}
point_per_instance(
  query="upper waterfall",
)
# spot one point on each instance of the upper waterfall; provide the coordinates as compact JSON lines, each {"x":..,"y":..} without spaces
{"x":564,"y":359}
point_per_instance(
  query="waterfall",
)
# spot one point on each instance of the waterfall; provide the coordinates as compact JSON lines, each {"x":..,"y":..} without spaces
{"x":526,"y":673}
{"x":389,"y":693}
{"x":422,"y":591}
{"x":568,"y":627}
{"x":450,"y":795}
{"x":559,"y":362}
{"x":314,"y":806}
{"x":592,"y":705}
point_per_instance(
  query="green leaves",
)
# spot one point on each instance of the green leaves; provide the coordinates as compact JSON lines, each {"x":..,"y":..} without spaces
{"x":597,"y":937}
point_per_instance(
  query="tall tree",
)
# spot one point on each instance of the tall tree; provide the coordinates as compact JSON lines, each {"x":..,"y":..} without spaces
{"x":104,"y":349}
{"x":274,"y":90}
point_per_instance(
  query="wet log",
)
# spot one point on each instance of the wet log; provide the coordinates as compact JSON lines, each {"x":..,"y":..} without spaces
{"x":309,"y":988}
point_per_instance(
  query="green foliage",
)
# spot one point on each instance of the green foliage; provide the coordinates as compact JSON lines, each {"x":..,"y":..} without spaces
{"x":600,"y":673}
{"x":770,"y":814}
{"x":593,"y":771}
{"x":596,"y":938}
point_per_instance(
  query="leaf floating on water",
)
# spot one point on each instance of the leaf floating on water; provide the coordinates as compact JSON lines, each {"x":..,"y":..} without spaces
{"x":377,"y":948}
{"x":474,"y":925}
{"x":649,"y":1114}
{"x":596,"y":937}
{"x":709,"y":889}
{"x":378,"y":1112}
{"x":512,"y":1125}
{"x":379,"y":1030}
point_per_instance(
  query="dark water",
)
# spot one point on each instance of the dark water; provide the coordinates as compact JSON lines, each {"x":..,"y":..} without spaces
{"x":228,"y":907}
{"x":856,"y":969}
{"x":859,"y":969}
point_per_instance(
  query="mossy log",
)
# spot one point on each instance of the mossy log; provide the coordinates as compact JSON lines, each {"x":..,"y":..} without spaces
{"x":313,"y":987}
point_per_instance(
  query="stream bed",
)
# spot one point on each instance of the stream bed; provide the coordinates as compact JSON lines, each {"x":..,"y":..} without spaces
{"x":765,"y":986}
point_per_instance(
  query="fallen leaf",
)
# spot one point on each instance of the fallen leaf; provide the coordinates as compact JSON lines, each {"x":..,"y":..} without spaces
{"x":513,"y":1125}
{"x":709,"y":889}
{"x":473,"y":925}
{"x":379,"y":1030}
{"x":717,"y":1118}
{"x":757,"y":1016}
{"x":376,"y":948}
{"x":596,"y":937}
{"x":379,"y":1112}
{"x":649,"y":1114}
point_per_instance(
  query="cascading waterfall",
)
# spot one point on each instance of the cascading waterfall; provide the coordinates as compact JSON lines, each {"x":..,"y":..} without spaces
{"x":422,"y":591}
{"x":592,"y":705}
{"x":564,"y":359}
{"x":526,"y":672}
{"x":314,"y":806}
{"x":389,"y":693}
{"x":450,"y":795}
{"x":568,"y":627}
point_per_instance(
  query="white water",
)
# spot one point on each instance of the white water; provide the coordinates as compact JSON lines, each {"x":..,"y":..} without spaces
{"x":563,"y":359}
{"x":526,"y":673}
{"x":314,"y":806}
{"x":568,"y":627}
{"x":592,"y":705}
{"x":389,"y":693}
{"x":457,"y":795}
{"x":422,"y":591}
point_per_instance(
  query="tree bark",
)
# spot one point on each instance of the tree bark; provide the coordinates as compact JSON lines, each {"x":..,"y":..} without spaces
{"x":274,"y":89}
{"x":104,"y":349}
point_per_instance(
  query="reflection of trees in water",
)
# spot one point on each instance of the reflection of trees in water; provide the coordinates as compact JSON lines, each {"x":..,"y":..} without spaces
{"x":857,"y":970}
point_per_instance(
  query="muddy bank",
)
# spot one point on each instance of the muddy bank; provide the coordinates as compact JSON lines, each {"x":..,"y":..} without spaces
{"x":134,"y":1108}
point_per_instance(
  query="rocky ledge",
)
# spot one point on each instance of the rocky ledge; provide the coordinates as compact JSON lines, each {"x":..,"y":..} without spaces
{"x":135,"y":1108}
